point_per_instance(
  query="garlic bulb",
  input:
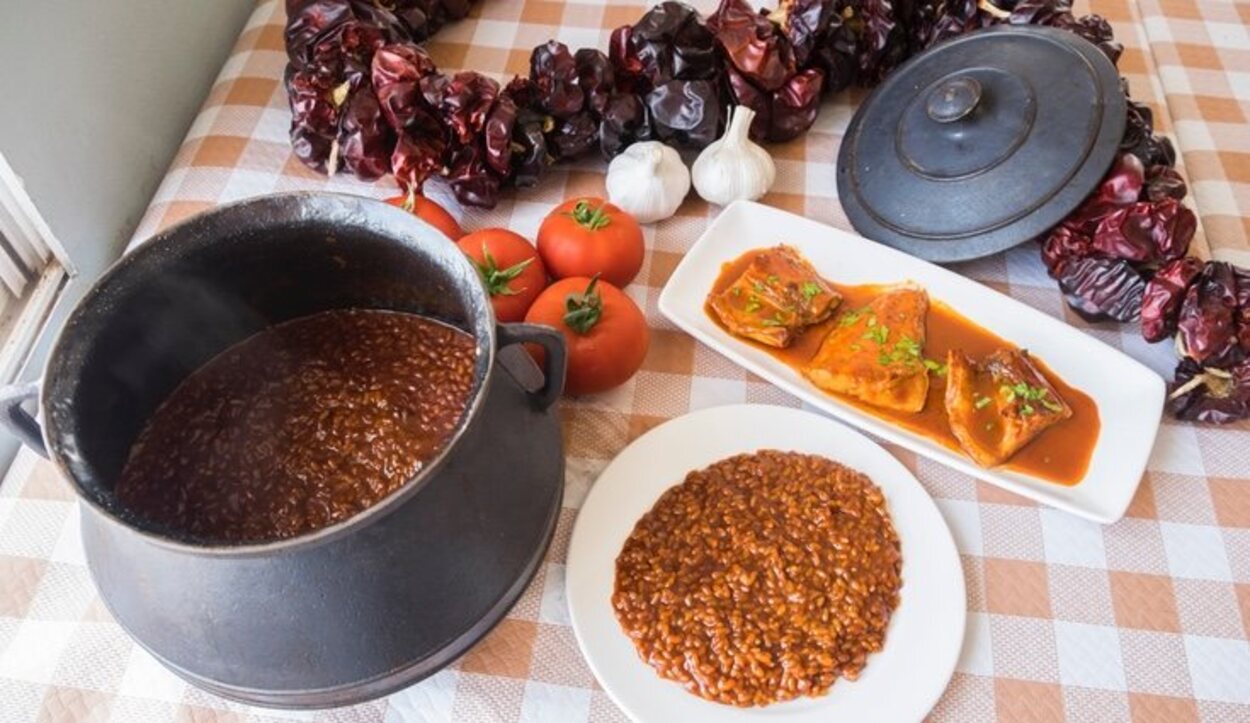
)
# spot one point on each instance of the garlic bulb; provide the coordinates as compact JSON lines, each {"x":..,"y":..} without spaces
{"x":734,"y":167}
{"x":648,"y":180}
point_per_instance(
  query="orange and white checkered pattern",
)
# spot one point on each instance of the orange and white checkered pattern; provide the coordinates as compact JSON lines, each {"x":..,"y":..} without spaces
{"x":1201,"y":49}
{"x":1144,"y":620}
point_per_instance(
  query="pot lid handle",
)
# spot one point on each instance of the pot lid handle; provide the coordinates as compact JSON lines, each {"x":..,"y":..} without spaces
{"x":953,"y":98}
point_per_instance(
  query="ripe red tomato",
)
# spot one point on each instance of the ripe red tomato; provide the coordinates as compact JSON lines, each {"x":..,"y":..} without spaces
{"x":605,"y":332}
{"x":589,"y":236}
{"x":510,"y":268}
{"x":430,"y":212}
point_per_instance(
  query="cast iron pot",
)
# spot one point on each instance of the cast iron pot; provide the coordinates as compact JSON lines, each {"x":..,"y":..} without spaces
{"x":354,"y":610}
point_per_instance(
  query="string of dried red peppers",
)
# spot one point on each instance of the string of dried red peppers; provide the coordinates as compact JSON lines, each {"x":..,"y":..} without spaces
{"x":366,"y":99}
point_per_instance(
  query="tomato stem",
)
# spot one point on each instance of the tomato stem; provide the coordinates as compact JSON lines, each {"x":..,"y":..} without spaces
{"x":583,"y":311}
{"x":587,"y":218}
{"x":497,"y":280}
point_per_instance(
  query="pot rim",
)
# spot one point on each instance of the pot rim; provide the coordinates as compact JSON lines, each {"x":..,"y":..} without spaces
{"x":421,"y":230}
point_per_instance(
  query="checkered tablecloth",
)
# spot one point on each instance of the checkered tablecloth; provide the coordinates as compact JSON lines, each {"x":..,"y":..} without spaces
{"x":1144,"y":620}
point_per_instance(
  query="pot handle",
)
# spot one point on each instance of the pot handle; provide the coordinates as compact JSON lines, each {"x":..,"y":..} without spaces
{"x":554,"y":362}
{"x":18,"y":422}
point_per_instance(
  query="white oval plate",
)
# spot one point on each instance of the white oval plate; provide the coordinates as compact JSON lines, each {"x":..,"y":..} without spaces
{"x":1129,"y":395}
{"x":901,"y":683}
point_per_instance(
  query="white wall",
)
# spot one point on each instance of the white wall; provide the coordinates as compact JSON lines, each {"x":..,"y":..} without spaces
{"x":95,"y":98}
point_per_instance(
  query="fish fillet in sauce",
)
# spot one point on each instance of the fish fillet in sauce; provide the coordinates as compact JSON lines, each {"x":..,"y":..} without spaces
{"x":876,"y":353}
{"x":775,"y":298}
{"x":998,"y":406}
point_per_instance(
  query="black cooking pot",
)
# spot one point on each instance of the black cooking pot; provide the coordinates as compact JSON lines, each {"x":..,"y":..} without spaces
{"x":354,"y":610}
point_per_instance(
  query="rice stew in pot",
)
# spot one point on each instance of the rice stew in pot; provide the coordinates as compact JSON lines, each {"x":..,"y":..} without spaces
{"x":300,"y":426}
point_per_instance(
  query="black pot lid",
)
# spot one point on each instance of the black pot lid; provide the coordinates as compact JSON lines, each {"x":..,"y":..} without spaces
{"x":982,"y":142}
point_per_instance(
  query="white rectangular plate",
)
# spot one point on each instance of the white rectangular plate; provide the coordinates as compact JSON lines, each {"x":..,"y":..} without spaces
{"x":1129,"y":395}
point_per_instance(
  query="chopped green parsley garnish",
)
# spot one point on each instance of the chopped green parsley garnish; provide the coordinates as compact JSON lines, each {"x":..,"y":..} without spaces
{"x":879,"y":334}
{"x":905,"y":350}
{"x":982,"y":402}
{"x":1028,"y":394}
{"x":850,"y":317}
{"x":936,"y":367}
{"x":753,"y":304}
{"x":811,"y":290}
{"x":777,"y":320}
{"x":773,"y":278}
{"x":908,"y":346}
{"x":737,"y":291}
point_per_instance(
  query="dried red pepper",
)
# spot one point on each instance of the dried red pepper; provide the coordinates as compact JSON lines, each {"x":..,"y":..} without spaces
{"x":763,"y":70}
{"x":339,"y":37}
{"x":1131,"y":233}
{"x":365,"y":139}
{"x":1208,"y":326}
{"x":1063,"y":244}
{"x":426,"y":17}
{"x":940,"y":21}
{"x":418,"y":154}
{"x":1058,"y":13}
{"x":1100,"y":288}
{"x":1212,"y":381}
{"x":1120,"y":187}
{"x":573,"y":137}
{"x":1140,"y":138}
{"x":1164,"y":182}
{"x":314,"y":115}
{"x":497,"y":138}
{"x":795,"y":105}
{"x":834,"y":54}
{"x":1146,"y":232}
{"x":785,"y":113}
{"x":744,"y":93}
{"x":880,"y":42}
{"x":463,"y":103}
{"x":805,"y":24}
{"x":686,"y":112}
{"x":630,"y":73}
{"x":1242,"y":277}
{"x":554,"y":73}
{"x":332,"y":46}
{"x":626,"y":120}
{"x":308,"y":20}
{"x":530,"y":159}
{"x":1161,"y":301}
{"x":753,"y":44}
{"x":1211,"y":394}
{"x":470,"y":180}
{"x":397,"y":72}
{"x":596,"y":78}
{"x":672,"y":41}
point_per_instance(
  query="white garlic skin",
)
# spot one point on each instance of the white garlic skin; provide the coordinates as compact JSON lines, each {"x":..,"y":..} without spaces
{"x":734,"y":168}
{"x":648,"y":180}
